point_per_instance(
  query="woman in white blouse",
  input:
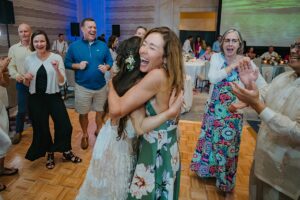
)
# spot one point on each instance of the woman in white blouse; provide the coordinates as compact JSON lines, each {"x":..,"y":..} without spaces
{"x":217,"y":150}
{"x":45,"y":72}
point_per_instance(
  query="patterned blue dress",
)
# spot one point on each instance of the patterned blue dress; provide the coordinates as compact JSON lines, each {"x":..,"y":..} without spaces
{"x":217,"y":149}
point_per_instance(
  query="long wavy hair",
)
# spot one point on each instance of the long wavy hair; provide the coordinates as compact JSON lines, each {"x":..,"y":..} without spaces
{"x":172,"y":56}
{"x":126,"y":77}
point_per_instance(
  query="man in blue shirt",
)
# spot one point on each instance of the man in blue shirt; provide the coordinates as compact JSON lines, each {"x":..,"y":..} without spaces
{"x":216,"y":44}
{"x":90,"y":58}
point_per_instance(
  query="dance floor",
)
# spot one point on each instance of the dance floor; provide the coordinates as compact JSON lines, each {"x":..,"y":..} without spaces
{"x":35,"y":182}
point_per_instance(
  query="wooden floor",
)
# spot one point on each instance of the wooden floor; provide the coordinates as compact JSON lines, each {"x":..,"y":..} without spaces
{"x":35,"y":182}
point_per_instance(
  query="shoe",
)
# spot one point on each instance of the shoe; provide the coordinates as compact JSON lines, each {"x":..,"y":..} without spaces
{"x":2,"y":187}
{"x":17,"y":138}
{"x":69,"y":156}
{"x":84,"y":142}
{"x":8,"y":171}
{"x":50,"y":164}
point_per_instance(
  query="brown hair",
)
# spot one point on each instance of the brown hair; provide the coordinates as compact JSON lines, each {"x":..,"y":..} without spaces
{"x":39,"y":32}
{"x":240,"y":50}
{"x":173,"y":56}
{"x":111,"y":40}
{"x":126,"y":78}
{"x":86,"y":20}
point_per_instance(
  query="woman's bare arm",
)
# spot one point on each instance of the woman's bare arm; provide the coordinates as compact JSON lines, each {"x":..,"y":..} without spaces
{"x":143,"y":124}
{"x":148,"y":87}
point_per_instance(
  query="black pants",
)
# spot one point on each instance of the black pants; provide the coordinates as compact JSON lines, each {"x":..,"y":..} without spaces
{"x":41,"y":106}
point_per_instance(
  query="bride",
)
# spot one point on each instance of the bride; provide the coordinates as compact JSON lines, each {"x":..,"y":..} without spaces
{"x":113,"y":159}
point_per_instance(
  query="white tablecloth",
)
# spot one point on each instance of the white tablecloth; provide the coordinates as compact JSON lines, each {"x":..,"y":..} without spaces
{"x":193,"y":68}
{"x":188,"y":94}
{"x":269,"y":72}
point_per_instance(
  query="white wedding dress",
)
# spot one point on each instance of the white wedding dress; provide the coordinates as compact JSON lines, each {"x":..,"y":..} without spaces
{"x":111,"y":166}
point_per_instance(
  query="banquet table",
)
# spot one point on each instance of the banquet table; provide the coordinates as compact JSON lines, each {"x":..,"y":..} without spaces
{"x":193,"y":68}
{"x":269,"y":72}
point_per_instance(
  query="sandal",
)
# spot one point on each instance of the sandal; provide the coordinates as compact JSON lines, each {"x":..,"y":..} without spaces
{"x":69,"y":156}
{"x":2,"y":187}
{"x":50,"y":164}
{"x":8,"y":171}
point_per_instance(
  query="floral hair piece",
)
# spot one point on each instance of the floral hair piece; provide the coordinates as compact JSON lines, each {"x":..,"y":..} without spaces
{"x":130,"y":62}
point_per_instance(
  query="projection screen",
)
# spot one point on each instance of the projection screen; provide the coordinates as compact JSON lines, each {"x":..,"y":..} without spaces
{"x":263,"y":22}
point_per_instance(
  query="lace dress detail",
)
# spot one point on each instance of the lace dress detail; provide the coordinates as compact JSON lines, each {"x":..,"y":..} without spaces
{"x":111,"y":167}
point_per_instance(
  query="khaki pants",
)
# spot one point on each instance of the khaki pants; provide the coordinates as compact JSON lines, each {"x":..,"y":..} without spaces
{"x":259,"y":190}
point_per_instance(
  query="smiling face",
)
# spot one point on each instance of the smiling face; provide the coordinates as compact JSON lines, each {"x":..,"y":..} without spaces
{"x":140,"y":32}
{"x":24,"y":32}
{"x":294,"y":61}
{"x":39,"y":43}
{"x":89,"y":30}
{"x":231,"y":44}
{"x":152,"y":52}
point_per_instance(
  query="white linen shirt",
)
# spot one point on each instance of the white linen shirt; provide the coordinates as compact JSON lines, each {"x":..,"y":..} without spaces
{"x":277,"y":154}
{"x":32,"y":65}
{"x":268,"y":55}
{"x":217,"y":74}
{"x":17,"y":53}
{"x":61,"y":47}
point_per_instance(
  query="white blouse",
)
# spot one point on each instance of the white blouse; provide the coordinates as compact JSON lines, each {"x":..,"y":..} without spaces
{"x":217,"y":73}
{"x":32,"y":65}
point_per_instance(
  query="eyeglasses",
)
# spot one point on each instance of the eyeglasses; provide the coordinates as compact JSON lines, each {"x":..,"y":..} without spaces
{"x":296,"y":45}
{"x":233,"y":41}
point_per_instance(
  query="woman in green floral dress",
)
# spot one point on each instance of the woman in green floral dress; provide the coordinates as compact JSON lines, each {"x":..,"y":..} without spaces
{"x":158,"y":168}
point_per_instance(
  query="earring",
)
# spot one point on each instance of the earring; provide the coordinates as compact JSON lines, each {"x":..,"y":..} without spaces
{"x":165,"y":66}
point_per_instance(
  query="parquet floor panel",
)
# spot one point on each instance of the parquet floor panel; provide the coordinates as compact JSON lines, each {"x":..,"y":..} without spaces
{"x":35,"y":182}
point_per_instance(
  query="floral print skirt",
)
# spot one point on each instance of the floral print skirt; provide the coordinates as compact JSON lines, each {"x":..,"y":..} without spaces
{"x":217,"y":149}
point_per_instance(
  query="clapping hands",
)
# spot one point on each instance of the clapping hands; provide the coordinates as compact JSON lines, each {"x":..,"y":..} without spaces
{"x":247,"y":73}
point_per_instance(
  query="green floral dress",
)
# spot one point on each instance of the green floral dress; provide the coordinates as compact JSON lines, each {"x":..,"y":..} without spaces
{"x":157,"y":173}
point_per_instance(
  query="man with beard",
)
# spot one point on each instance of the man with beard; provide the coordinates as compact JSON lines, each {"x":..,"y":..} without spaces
{"x":90,"y":58}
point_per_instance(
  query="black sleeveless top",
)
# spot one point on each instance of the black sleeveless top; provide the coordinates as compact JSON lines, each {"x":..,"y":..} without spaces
{"x":41,"y":80}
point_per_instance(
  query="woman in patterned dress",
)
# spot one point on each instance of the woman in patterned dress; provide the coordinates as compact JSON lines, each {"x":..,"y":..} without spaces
{"x":158,"y":167}
{"x":217,"y":149}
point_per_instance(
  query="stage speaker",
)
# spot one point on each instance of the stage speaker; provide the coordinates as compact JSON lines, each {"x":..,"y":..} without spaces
{"x":115,"y":30}
{"x":7,"y":15}
{"x":75,"y":31}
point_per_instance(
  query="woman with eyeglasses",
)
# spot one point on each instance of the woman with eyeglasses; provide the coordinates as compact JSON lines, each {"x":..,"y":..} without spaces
{"x":217,"y":149}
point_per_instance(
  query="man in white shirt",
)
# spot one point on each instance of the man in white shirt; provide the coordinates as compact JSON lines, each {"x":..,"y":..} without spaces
{"x":60,"y":46}
{"x":276,"y":166}
{"x":269,"y":54}
{"x":18,"y":53}
{"x":187,"y":47}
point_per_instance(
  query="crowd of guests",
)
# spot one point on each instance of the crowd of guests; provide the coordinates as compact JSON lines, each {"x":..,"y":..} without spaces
{"x":140,"y":105}
{"x":198,"y":48}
